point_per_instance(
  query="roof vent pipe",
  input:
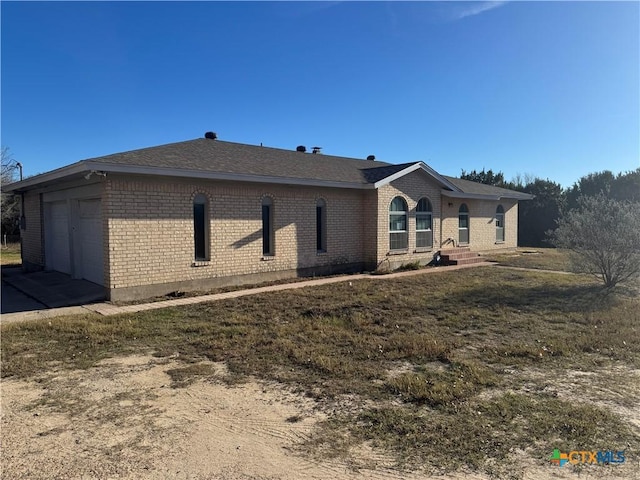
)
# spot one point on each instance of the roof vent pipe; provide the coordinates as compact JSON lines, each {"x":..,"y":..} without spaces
{"x":301,"y":148}
{"x":371,"y":157}
{"x":316,"y":150}
{"x":211,"y":135}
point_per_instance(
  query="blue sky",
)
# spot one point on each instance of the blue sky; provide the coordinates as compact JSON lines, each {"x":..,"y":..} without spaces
{"x":543,"y":88}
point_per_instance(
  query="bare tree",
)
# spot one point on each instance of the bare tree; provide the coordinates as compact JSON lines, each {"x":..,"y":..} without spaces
{"x":10,"y":204}
{"x":603,"y":235}
{"x":8,"y":166}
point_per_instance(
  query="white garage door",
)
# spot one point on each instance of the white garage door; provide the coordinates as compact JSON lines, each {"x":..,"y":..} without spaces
{"x":90,"y":239}
{"x":57,"y":237}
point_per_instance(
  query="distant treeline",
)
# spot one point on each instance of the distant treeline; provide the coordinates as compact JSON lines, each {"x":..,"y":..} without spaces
{"x":540,"y":215}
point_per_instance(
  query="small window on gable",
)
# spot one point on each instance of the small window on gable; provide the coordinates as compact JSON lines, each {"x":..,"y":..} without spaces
{"x":268,"y":237}
{"x":424,"y":232}
{"x":200,"y":228}
{"x":321,"y":225}
{"x":398,"y":236}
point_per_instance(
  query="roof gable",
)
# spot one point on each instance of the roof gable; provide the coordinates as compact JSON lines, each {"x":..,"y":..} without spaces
{"x":406,"y":168}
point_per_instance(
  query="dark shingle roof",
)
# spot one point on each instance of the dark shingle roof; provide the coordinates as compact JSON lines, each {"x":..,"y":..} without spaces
{"x":227,"y":160}
{"x":235,"y":158}
{"x":475,"y":188}
{"x":375,"y":174}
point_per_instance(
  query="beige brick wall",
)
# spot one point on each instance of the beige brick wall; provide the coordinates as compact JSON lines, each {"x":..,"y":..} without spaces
{"x":150,"y":229}
{"x":412,"y":188}
{"x":370,"y":225}
{"x":31,"y":236}
{"x":482,"y":227}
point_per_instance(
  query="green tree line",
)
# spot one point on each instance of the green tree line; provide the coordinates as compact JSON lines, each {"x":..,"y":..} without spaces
{"x":541,"y":215}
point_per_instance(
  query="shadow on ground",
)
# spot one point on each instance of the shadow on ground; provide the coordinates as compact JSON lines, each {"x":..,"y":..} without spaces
{"x":23,"y":292}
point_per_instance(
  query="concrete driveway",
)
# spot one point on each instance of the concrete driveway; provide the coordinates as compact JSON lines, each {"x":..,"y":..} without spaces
{"x":13,"y":300}
{"x":40,"y":291}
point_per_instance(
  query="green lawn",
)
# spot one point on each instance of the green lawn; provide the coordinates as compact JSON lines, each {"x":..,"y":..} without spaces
{"x":10,"y":255}
{"x":473,"y":362}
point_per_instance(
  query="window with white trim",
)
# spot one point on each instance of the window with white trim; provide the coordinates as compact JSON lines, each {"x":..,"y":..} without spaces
{"x":424,"y":232}
{"x":398,"y":236}
{"x":463,"y":224}
{"x":500,"y":224}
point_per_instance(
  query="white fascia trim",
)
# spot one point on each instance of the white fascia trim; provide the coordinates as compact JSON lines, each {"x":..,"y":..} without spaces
{"x":74,"y":169}
{"x":88,"y":166}
{"x":412,"y":168}
{"x":481,"y":196}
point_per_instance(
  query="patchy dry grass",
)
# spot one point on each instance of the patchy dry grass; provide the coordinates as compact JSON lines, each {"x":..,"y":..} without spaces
{"x":469,"y":434}
{"x":430,"y":364}
{"x":540,"y":258}
{"x":212,"y":291}
{"x":10,"y":255}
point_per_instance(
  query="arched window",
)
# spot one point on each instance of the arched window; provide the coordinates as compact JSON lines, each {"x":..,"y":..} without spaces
{"x":424,"y":233}
{"x":398,"y":237}
{"x":200,"y":227}
{"x":463,"y":224}
{"x":268,"y":237}
{"x":321,"y":225}
{"x":500,"y":224}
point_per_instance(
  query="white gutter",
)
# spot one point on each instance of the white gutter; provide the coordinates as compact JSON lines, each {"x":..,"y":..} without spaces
{"x":484,"y":196}
{"x":70,"y":170}
{"x":89,"y":166}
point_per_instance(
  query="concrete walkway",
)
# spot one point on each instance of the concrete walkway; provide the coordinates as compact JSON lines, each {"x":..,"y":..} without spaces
{"x":107,"y":309}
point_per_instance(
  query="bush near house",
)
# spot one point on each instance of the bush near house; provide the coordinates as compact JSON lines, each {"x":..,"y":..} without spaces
{"x":603,"y":236}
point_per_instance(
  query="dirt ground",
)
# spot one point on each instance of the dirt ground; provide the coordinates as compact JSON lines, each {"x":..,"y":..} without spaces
{"x":124,"y":420}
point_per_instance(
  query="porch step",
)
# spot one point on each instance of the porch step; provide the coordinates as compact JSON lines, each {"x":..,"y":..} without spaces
{"x":467,"y":261}
{"x":459,"y":256}
{"x":454,"y":250}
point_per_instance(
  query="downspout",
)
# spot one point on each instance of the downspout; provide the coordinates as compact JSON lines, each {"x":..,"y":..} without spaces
{"x":22,"y":226}
{"x":22,"y":218}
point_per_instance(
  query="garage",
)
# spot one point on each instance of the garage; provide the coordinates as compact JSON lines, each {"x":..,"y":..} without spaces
{"x":89,"y":264}
{"x":57,"y":245}
{"x":73,"y":237}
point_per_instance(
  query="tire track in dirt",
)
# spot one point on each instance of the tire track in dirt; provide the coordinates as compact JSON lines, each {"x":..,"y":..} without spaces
{"x":121,"y":419}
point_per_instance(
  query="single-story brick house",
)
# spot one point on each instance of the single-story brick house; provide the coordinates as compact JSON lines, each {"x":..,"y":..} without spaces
{"x":205,"y":213}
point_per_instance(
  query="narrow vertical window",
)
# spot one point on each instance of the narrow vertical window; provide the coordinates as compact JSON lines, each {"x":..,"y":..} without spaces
{"x":200,"y":230}
{"x":424,"y":232}
{"x":321,"y":226}
{"x":398,"y":237}
{"x":500,"y":224}
{"x":463,"y":224}
{"x":268,"y":247}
